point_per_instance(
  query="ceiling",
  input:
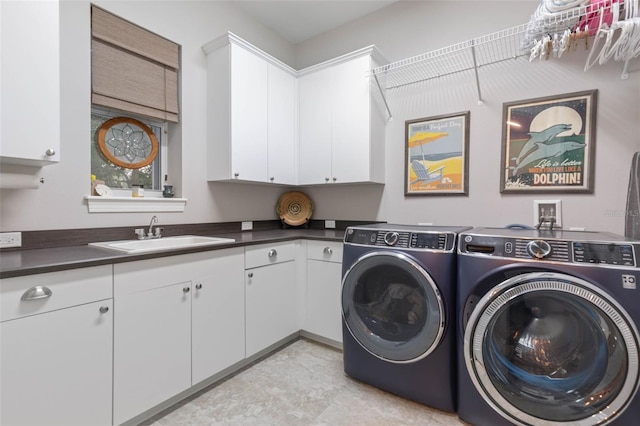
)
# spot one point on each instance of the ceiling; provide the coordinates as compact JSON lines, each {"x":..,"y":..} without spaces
{"x":299,"y":20}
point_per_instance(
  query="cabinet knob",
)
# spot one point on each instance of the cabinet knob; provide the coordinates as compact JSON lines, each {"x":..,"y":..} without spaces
{"x":198,"y":286}
{"x":186,"y":289}
{"x":273,"y":253}
{"x":327,"y":250}
{"x":37,"y":292}
{"x":272,"y":178}
{"x":235,"y":175}
{"x":104,"y":309}
{"x":250,"y":274}
{"x":335,"y":179}
{"x":326,"y":179}
{"x":50,"y":152}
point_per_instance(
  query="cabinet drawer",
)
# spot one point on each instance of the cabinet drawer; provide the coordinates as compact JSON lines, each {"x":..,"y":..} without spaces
{"x":268,"y":254}
{"x":329,"y":251}
{"x":55,"y":290}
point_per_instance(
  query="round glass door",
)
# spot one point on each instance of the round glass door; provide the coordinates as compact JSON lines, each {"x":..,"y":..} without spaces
{"x":553,"y":349}
{"x":392,"y":307}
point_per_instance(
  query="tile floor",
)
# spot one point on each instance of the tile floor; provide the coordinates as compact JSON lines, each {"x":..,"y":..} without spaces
{"x":301,"y":384}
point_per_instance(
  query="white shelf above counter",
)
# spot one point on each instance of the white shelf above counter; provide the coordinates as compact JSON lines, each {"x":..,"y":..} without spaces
{"x":98,"y":204}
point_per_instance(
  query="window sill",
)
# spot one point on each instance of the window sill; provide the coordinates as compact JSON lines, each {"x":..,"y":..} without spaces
{"x":98,"y":204}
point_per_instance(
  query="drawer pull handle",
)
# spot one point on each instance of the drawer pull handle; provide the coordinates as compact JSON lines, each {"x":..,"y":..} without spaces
{"x":198,"y":286}
{"x":37,"y":292}
{"x":186,"y":289}
{"x":327,"y":250}
{"x":104,"y":309}
{"x":273,"y":253}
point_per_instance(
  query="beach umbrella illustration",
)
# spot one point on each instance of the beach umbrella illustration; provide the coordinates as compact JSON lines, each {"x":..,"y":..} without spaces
{"x":420,"y":138}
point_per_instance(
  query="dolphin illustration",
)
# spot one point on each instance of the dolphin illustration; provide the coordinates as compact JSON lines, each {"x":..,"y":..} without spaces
{"x":544,"y":150}
{"x":541,"y":137}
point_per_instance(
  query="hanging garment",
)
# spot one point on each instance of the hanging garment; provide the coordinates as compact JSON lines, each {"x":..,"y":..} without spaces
{"x":632,"y":214}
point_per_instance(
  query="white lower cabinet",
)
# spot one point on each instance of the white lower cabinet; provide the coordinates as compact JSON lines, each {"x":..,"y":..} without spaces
{"x":271,"y":295}
{"x":324,"y":276}
{"x":104,"y":344}
{"x":56,"y":348}
{"x":163,"y":330}
{"x":217,"y":316}
{"x":152,"y":356}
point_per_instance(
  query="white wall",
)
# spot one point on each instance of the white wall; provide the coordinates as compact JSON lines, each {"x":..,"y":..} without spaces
{"x":401,"y":30}
{"x":410,"y":28}
{"x":60,"y":204}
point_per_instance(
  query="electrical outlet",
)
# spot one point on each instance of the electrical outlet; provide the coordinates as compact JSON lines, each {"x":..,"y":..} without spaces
{"x":330,"y":224}
{"x":247,"y":226}
{"x":425,"y":224}
{"x":546,"y":212}
{"x":10,"y":239}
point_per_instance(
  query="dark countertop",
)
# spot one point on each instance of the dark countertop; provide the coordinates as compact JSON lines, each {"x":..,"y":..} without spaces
{"x":36,"y":261}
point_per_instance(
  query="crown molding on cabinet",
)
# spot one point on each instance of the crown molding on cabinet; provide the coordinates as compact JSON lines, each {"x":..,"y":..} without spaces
{"x":230,"y":37}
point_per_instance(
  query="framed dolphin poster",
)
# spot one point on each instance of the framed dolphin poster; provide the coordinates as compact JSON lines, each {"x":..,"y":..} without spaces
{"x":436,"y":158}
{"x":548,"y":144}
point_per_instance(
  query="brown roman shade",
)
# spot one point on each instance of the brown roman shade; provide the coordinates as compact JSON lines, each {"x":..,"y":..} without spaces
{"x":133,"y":69}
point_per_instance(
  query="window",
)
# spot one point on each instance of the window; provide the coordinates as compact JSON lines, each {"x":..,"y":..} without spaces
{"x":117,"y":177}
{"x":134,"y":74}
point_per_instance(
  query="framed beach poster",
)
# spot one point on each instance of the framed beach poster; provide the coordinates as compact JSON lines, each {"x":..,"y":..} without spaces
{"x":548,"y":144}
{"x":437,"y":155}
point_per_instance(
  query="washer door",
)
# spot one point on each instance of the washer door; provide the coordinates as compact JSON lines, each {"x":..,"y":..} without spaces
{"x":392,"y":307}
{"x":548,"y":348}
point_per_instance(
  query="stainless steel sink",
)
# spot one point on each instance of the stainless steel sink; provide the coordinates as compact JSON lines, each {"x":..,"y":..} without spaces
{"x":159,"y":244}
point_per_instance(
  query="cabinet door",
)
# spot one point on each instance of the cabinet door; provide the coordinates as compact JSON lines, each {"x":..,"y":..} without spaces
{"x":271,"y":312}
{"x":315,"y":99}
{"x":30,"y":86}
{"x":55,"y":368}
{"x":218,"y":317}
{"x":350,"y":154}
{"x":248,"y":115}
{"x":282,"y":128}
{"x":324,"y":311}
{"x":152,"y":348}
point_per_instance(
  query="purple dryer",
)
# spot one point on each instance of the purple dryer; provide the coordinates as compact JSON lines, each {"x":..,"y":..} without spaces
{"x":398,"y":308}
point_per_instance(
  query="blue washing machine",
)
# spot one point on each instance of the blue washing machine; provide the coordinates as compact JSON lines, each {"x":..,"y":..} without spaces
{"x":548,"y":328}
{"x":398,"y":309}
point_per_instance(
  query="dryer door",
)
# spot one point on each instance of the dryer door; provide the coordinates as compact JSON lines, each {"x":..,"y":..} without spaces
{"x":549,"y":348}
{"x":392,"y":307}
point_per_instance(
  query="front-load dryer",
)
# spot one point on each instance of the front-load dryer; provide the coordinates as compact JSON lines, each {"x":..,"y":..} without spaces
{"x":398,"y":310}
{"x":548,"y":328}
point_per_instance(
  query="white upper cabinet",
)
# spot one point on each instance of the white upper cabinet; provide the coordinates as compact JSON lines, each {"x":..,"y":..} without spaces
{"x":315,"y":127}
{"x":30,"y":83}
{"x":282,"y":113}
{"x":269,"y":123}
{"x":251,"y":114}
{"x":342,"y":122}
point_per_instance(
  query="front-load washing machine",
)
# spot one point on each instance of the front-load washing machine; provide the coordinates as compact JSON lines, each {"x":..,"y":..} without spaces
{"x":548,"y":328}
{"x":398,"y":310}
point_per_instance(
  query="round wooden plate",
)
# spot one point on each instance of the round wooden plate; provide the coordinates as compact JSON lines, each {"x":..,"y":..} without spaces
{"x":294,"y":208}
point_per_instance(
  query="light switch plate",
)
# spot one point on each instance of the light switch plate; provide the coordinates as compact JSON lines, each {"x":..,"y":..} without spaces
{"x":10,"y":239}
{"x":247,"y":226}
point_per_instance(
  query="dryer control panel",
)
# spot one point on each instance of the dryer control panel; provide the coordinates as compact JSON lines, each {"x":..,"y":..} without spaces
{"x":549,"y":249}
{"x":400,"y":239}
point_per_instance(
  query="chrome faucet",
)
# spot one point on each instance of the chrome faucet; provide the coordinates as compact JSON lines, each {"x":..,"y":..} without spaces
{"x":154,"y":220}
{"x":150,"y":234}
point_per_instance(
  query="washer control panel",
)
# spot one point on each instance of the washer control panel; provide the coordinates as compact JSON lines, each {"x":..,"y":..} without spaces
{"x":614,"y":253}
{"x":400,"y":239}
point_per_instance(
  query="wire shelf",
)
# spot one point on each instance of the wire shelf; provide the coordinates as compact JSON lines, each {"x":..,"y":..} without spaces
{"x":473,"y":54}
